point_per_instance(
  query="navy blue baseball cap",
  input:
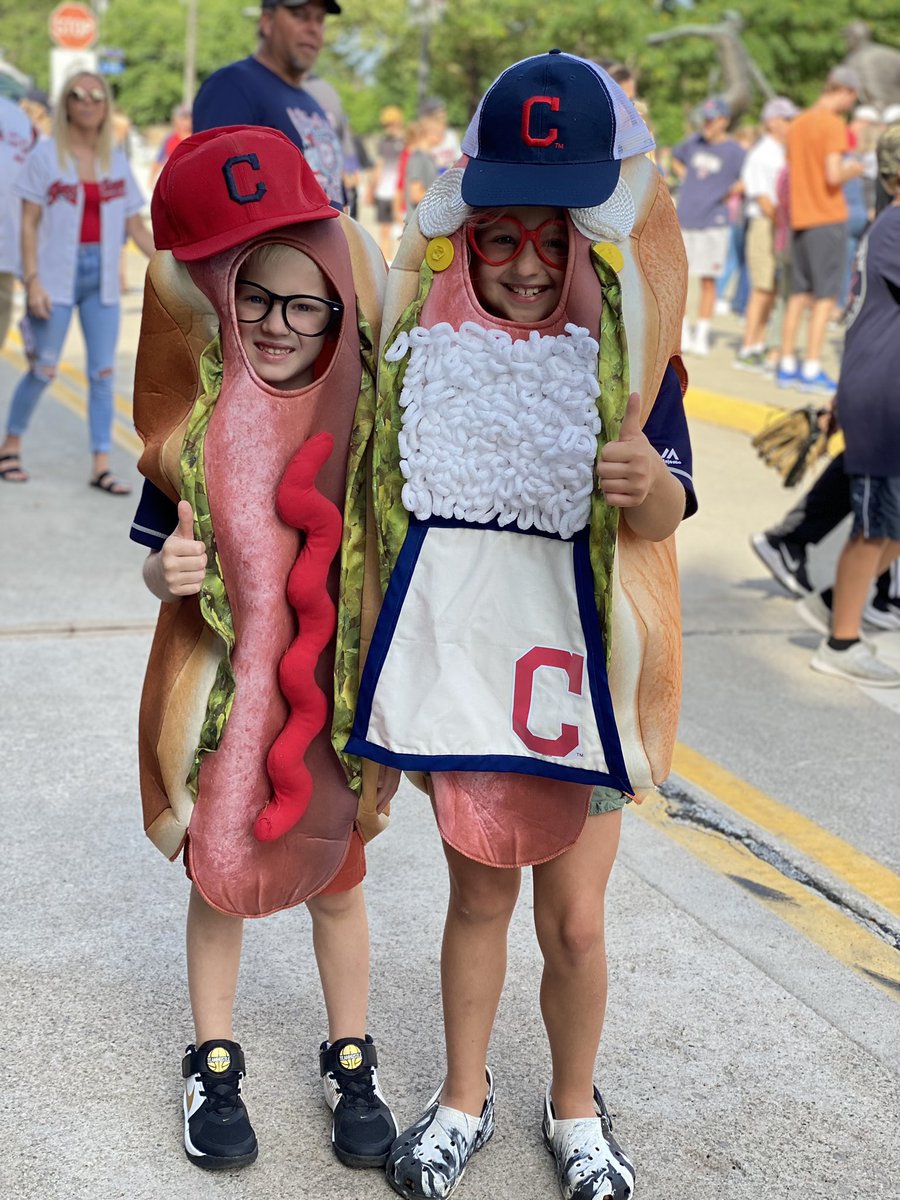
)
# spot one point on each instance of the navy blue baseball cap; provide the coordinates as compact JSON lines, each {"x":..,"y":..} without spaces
{"x":550,"y":130}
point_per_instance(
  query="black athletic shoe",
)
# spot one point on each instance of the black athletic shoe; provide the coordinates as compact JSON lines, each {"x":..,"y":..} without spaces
{"x":363,"y":1127}
{"x":786,"y":561}
{"x":217,"y":1130}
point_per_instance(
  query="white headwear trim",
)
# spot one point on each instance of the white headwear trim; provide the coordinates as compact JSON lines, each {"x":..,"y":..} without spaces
{"x":611,"y":221}
{"x":442,"y":211}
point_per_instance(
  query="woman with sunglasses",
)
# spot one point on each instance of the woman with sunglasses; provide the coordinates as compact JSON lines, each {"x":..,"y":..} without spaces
{"x":80,"y":203}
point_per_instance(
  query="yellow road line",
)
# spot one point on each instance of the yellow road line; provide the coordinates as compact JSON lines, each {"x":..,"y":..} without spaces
{"x":869,"y":877}
{"x":75,"y":400}
{"x":743,"y":416}
{"x":818,"y":920}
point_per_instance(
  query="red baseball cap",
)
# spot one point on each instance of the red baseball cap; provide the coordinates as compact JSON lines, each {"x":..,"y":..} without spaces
{"x":222,"y":187}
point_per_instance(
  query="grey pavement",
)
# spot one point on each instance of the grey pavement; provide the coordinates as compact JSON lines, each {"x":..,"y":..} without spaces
{"x":739,"y":1058}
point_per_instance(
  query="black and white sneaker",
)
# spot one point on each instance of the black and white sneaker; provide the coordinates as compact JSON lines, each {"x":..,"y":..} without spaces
{"x":784,"y":560}
{"x":363,"y":1126}
{"x":217,"y":1130}
{"x":429,"y":1159}
{"x":590,"y":1163}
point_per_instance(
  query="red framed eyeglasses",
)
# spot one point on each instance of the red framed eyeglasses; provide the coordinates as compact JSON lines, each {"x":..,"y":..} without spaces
{"x":497,"y":240}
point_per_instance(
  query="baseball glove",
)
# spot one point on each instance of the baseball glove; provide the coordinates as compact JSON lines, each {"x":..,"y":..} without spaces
{"x":794,"y":441}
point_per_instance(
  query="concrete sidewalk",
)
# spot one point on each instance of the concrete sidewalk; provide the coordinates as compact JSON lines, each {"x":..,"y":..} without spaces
{"x":739,"y":1058}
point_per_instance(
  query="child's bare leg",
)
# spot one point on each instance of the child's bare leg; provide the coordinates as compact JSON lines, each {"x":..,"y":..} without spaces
{"x":214,"y":942}
{"x":341,"y":944}
{"x":862,"y":561}
{"x":569,"y":919}
{"x":473,"y":968}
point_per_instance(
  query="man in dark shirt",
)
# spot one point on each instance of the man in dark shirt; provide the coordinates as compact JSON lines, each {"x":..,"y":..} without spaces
{"x":266,"y":89}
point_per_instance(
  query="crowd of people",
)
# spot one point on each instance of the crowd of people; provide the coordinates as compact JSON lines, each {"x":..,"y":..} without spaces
{"x":247,"y":542}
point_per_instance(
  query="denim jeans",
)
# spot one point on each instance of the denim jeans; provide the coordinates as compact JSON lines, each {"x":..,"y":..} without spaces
{"x":100,"y":327}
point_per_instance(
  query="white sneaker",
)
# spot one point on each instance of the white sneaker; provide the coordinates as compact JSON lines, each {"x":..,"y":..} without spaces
{"x":882,"y":618}
{"x":857,"y":663}
{"x":687,"y":338}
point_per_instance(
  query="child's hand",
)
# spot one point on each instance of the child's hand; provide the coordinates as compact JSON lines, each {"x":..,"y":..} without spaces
{"x":626,"y":468}
{"x":183,"y":558}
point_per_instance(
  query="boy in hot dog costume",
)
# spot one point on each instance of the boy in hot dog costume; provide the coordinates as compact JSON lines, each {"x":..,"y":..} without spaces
{"x":255,"y":381}
{"x":531,"y":462}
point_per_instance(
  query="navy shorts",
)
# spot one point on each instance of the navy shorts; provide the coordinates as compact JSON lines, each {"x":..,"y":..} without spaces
{"x":875,"y":500}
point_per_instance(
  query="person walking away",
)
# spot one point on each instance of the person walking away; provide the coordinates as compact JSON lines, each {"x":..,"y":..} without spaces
{"x":17,"y":137}
{"x":759,"y":177}
{"x":80,"y":204}
{"x":421,"y":170}
{"x":817,"y":170}
{"x":267,"y":88}
{"x":709,"y":166}
{"x":868,"y":411}
{"x":386,"y":178}
{"x":181,"y":128}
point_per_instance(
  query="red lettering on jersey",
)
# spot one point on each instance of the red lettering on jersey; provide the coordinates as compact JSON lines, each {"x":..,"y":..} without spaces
{"x":62,"y":191}
{"x":529,"y":104}
{"x":526,"y":667}
{"x":111,"y":189}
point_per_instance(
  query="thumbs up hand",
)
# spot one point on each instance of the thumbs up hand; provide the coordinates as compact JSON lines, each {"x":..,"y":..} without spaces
{"x":627,"y":467}
{"x":183,"y":558}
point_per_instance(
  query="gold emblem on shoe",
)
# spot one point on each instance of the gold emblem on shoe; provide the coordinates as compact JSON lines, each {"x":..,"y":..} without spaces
{"x":218,"y":1060}
{"x":350,"y":1057}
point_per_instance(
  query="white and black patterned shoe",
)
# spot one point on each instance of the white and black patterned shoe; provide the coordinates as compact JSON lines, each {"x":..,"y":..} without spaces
{"x":363,"y":1127}
{"x":217,"y":1131}
{"x":429,"y":1159}
{"x":590,"y":1163}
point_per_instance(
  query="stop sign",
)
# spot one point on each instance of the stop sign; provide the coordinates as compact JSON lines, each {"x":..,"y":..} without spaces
{"x":73,"y":26}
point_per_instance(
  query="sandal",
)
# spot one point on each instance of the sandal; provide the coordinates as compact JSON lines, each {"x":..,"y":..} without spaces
{"x":12,"y":471}
{"x":429,"y":1159}
{"x":107,"y":482}
{"x":590,"y":1163}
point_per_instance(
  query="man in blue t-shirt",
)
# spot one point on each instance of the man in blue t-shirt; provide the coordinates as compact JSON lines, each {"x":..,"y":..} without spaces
{"x":266,"y":89}
{"x":709,"y":167}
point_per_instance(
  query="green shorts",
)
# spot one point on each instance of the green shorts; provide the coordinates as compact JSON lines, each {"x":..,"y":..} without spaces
{"x":606,"y":799}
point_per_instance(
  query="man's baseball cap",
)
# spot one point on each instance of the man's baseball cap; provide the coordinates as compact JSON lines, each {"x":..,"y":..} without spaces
{"x":845,"y":77}
{"x":222,"y":187}
{"x":550,"y":130}
{"x":330,"y":6}
{"x":888,"y":152}
{"x":715,"y":107}
{"x":779,"y":106}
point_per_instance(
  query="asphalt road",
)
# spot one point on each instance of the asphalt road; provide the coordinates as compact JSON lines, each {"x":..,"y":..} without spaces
{"x":751,"y":1043}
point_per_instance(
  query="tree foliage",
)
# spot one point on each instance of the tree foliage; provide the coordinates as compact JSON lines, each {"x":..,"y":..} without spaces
{"x":374,"y":50}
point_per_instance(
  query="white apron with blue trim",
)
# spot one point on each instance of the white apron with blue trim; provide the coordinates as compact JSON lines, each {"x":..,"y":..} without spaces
{"x":488,"y":654}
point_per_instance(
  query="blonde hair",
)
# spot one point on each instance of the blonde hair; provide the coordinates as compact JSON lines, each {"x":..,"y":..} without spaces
{"x":275,"y":253}
{"x":61,"y":122}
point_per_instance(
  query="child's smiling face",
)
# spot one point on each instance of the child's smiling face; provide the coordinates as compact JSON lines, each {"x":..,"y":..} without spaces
{"x":279,"y":355}
{"x":528,"y":288}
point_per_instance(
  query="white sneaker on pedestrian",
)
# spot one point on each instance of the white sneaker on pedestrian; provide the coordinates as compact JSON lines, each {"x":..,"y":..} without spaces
{"x":882,"y":616}
{"x":701,"y":343}
{"x":857,"y":663}
{"x":687,"y":338}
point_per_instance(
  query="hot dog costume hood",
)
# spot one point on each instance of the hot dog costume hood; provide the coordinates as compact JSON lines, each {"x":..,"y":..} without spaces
{"x":246,"y":680}
{"x":528,"y":646}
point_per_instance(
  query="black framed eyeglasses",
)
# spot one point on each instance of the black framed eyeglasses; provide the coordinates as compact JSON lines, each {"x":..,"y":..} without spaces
{"x":308,"y":316}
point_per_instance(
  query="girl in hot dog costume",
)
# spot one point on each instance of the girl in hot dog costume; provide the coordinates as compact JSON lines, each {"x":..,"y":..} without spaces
{"x":531,"y":462}
{"x":254,"y":386}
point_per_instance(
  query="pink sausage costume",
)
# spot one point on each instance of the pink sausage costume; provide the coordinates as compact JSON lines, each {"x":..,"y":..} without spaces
{"x":513,"y":660}
{"x":245,"y":681}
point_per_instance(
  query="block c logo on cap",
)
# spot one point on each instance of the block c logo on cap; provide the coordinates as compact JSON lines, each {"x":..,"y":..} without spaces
{"x":231,"y":183}
{"x":527,"y":137}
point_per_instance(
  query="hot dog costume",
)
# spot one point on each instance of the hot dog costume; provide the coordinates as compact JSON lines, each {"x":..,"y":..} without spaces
{"x":528,"y":646}
{"x":236,"y":754}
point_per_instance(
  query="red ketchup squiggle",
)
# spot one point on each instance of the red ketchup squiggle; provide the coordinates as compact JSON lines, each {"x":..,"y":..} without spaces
{"x":303,"y":507}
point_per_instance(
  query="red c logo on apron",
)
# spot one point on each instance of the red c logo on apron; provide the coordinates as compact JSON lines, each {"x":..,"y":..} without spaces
{"x":523,"y":687}
{"x":529,"y":104}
